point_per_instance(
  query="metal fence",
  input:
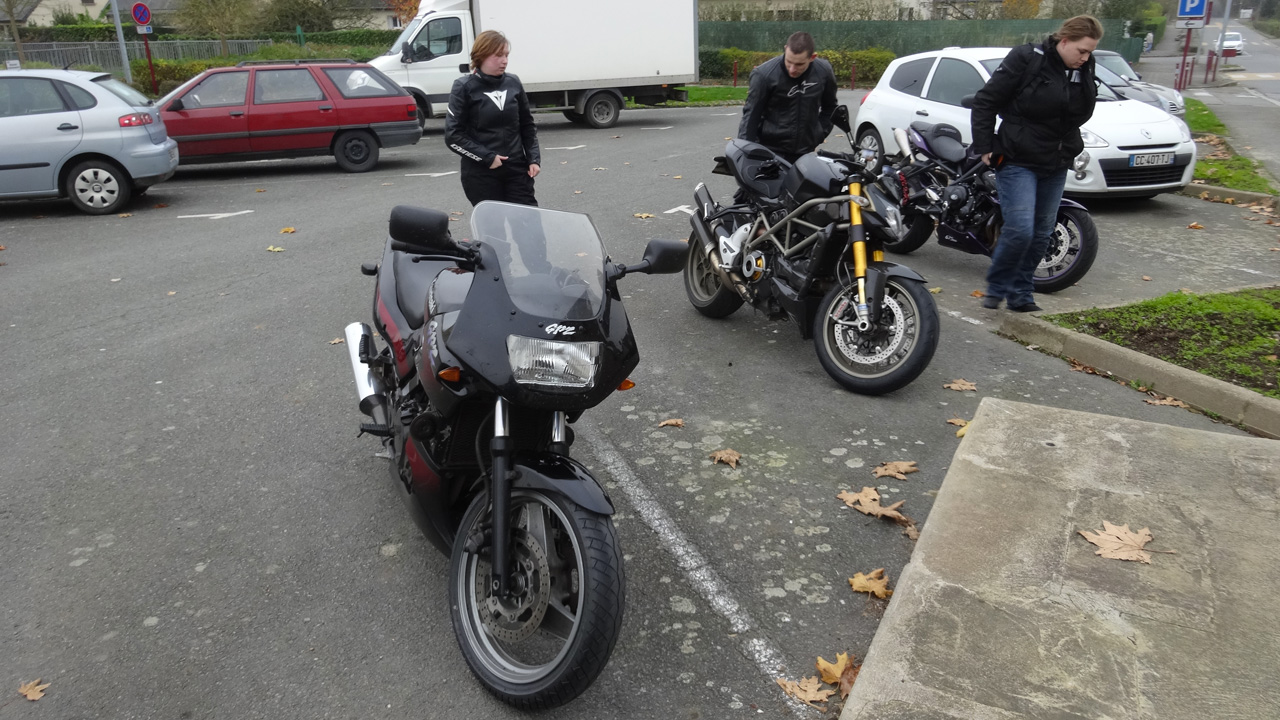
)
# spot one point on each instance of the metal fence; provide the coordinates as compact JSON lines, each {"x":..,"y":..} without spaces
{"x":106,"y":55}
{"x":902,"y":37}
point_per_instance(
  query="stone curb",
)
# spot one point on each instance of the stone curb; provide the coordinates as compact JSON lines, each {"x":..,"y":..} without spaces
{"x":1254,"y":412}
{"x":1241,"y":196}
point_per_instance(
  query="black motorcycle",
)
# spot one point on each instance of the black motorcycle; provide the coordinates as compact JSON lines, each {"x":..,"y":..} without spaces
{"x":796,"y":246}
{"x":493,"y":348}
{"x":938,"y":182}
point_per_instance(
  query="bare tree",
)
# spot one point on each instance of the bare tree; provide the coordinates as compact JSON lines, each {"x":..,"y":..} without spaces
{"x":217,"y":17}
{"x":12,"y":9}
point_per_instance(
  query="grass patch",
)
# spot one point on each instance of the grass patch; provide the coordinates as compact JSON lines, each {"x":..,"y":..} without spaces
{"x":1229,"y":336}
{"x":1235,"y":172}
{"x":706,"y":95}
{"x":1201,"y":119}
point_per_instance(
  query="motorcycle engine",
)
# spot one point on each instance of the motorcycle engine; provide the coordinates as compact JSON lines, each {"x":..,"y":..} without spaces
{"x":955,"y":195}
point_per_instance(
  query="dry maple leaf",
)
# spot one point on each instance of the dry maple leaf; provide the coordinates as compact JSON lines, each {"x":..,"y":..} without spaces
{"x":577,"y":192}
{"x":1146,"y":278}
{"x":977,"y":293}
{"x":807,"y":691}
{"x":643,"y":215}
{"x":1167,"y":401}
{"x":912,"y":532}
{"x":123,"y":215}
{"x":32,"y":690}
{"x":259,"y":190}
{"x":957,"y":421}
{"x":831,"y":672}
{"x":1118,"y":542}
{"x":677,"y":177}
{"x":961,"y":385}
{"x":287,"y":231}
{"x":936,"y":291}
{"x":1230,"y":201}
{"x":1195,"y":226}
{"x":337,"y":341}
{"x":961,"y":432}
{"x":273,"y":248}
{"x":173,"y":292}
{"x":897,"y":468}
{"x":1,"y":247}
{"x":726,"y":456}
{"x":875,"y":583}
{"x":848,"y":678}
{"x":867,"y":502}
{"x":671,"y":422}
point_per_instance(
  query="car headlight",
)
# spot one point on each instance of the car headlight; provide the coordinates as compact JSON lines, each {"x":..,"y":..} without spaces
{"x":1091,"y":140}
{"x":1081,"y":162}
{"x":1183,"y":130}
{"x":553,"y":363}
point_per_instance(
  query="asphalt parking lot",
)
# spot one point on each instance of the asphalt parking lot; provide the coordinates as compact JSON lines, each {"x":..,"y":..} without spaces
{"x":191,"y":528}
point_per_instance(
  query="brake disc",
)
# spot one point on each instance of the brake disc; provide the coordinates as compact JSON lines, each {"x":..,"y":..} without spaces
{"x":851,"y":342}
{"x":518,"y":617}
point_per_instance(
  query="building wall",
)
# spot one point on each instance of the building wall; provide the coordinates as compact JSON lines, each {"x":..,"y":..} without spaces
{"x":43,"y":14}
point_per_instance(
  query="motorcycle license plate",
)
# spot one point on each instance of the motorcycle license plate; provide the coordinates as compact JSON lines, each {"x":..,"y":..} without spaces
{"x":1154,"y":159}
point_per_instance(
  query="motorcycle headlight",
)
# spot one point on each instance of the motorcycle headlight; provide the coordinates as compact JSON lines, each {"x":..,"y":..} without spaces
{"x":1092,"y":140}
{"x":553,"y":363}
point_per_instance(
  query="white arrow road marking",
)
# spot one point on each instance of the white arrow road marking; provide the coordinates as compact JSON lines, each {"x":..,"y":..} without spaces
{"x":216,"y":216}
{"x":962,"y":316}
{"x":433,"y":175}
{"x":570,"y":147}
{"x":659,"y":128}
{"x":683,"y":208}
{"x":723,"y":114}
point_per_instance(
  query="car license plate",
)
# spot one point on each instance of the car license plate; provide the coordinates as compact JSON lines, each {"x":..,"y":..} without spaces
{"x":1149,"y":160}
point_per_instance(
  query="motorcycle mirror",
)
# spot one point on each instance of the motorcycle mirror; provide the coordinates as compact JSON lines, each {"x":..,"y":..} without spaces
{"x":841,"y":118}
{"x":967,"y":101}
{"x":422,"y":228}
{"x":663,"y":257}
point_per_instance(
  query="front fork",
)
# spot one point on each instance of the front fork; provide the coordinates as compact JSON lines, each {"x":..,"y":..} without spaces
{"x":858,"y":234}
{"x":500,"y":450}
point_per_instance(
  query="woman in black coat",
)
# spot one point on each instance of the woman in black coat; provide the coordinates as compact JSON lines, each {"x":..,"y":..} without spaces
{"x":1043,"y":94}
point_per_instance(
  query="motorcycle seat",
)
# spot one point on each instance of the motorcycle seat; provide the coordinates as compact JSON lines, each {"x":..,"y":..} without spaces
{"x":757,"y":168}
{"x":943,"y":140}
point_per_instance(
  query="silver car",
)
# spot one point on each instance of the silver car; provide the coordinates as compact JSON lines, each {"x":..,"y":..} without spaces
{"x":80,"y":135}
{"x":1115,"y":62}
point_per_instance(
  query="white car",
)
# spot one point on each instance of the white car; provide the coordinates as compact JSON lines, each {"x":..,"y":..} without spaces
{"x":1131,"y":149}
{"x":1233,"y":41}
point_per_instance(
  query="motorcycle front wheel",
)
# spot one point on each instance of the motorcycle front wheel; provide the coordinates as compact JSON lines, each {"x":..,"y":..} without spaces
{"x":1072,"y":249}
{"x":889,"y":355}
{"x":546,"y":643}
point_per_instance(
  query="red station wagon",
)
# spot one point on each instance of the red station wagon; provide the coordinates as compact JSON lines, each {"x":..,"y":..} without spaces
{"x":287,"y":109}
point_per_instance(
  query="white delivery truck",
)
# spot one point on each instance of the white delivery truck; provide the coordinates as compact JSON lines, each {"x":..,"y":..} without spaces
{"x":582,"y":57}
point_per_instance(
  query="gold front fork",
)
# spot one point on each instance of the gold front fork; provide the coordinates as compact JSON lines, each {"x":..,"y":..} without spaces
{"x":858,"y":234}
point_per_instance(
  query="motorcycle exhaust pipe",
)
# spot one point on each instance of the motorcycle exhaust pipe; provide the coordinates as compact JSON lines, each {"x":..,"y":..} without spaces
{"x":708,"y":248}
{"x":373,"y":399}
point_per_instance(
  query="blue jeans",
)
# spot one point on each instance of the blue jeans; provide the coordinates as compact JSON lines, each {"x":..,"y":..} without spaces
{"x":1029,"y":203}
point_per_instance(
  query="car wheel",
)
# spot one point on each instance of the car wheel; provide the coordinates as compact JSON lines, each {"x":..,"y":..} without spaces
{"x":424,"y":112}
{"x":97,"y":187}
{"x":356,"y":151}
{"x":869,"y":139}
{"x":602,"y":110}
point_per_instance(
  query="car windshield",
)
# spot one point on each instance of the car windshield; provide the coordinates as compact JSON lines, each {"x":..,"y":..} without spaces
{"x":1109,"y":77}
{"x":552,"y":262}
{"x":1105,"y":93}
{"x":1117,"y":65}
{"x":404,"y":36}
{"x":122,"y":91}
{"x":1233,"y":37}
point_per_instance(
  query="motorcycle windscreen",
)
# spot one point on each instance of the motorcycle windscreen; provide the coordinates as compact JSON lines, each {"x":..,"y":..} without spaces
{"x":552,"y":262}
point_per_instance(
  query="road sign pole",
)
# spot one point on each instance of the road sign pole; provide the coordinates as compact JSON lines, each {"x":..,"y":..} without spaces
{"x":1222,"y":34}
{"x":124,"y":54}
{"x":1182,"y":81}
{"x":146,"y":43}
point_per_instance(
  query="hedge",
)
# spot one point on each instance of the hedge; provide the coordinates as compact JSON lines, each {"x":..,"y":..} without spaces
{"x":871,"y":63}
{"x":90,"y":33}
{"x":172,"y":73}
{"x":1268,"y":27}
{"x":367,"y":38}
{"x":381,"y":39}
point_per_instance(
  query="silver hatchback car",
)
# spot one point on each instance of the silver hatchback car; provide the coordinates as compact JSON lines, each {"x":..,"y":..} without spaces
{"x":80,"y":135}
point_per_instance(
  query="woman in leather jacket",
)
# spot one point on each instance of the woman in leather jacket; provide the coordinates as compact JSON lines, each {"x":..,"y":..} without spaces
{"x":1043,"y":93}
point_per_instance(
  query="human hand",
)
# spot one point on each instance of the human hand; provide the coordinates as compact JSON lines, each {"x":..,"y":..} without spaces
{"x":497,"y":162}
{"x":986,"y":158}
{"x":534,"y":169}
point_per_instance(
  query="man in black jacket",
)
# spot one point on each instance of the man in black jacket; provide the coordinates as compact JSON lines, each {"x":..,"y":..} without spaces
{"x":1043,"y":93}
{"x":791,"y":100}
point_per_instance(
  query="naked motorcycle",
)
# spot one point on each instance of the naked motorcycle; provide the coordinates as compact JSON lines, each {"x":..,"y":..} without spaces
{"x":490,"y":349}
{"x":797,"y":246}
{"x":938,"y":182}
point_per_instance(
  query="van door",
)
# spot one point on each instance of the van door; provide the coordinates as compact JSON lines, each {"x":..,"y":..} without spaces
{"x":39,"y":131}
{"x":438,"y":51}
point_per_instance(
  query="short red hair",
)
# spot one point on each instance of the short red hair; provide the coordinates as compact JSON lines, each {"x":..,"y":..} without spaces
{"x":487,"y":43}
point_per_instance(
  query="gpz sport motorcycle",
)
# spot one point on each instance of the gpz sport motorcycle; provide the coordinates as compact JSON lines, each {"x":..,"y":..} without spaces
{"x":797,"y":247}
{"x":493,"y":348}
{"x":939,"y":182}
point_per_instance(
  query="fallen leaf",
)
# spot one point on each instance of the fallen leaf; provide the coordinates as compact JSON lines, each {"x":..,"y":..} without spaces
{"x":960,"y":385}
{"x":124,"y":215}
{"x":173,"y":292}
{"x":1167,"y":401}
{"x":454,"y":219}
{"x":599,"y":168}
{"x":577,"y":192}
{"x":32,"y":690}
{"x":455,"y":212}
{"x":849,"y":677}
{"x":273,"y":248}
{"x":726,"y":456}
{"x":615,"y":137}
{"x":287,"y":231}
{"x":1230,"y":201}
{"x":1146,"y":278}
{"x":830,"y":672}
{"x":671,"y":422}
{"x":1118,"y":542}
{"x":1078,"y":366}
{"x":259,"y":190}
{"x":677,"y":177}
{"x":115,"y":279}
{"x":626,"y":163}
{"x":961,"y":432}
{"x":1195,"y":226}
{"x":1033,"y":347}
{"x":386,"y":184}
{"x":867,"y":502}
{"x":807,"y":691}
{"x":874,"y":583}
{"x":642,"y":215}
{"x":957,"y":421}
{"x":337,"y":341}
{"x":728,"y":138}
{"x":1272,"y":358}
{"x":912,"y":532}
{"x":1,"y":247}
{"x":977,"y":293}
{"x":898,"y":469}
{"x":936,"y":291}
{"x":157,"y":206}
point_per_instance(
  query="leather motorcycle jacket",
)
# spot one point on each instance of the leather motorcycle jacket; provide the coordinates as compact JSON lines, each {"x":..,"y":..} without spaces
{"x":490,"y":116}
{"x":789,"y":115}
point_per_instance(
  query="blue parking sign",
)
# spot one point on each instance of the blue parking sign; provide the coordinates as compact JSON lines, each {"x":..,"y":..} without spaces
{"x":1191,"y":8}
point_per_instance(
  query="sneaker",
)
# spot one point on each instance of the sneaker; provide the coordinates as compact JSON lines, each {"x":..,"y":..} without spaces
{"x":1029,"y":307}
{"x":990,"y":303}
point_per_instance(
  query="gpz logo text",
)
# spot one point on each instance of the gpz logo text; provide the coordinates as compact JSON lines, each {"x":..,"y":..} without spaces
{"x":558,"y":329}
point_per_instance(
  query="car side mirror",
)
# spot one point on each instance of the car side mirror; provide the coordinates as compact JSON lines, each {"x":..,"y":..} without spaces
{"x":176,"y":105}
{"x":1138,"y":75}
{"x":967,"y":101}
{"x":406,"y":56}
{"x":663,"y":257}
{"x":841,"y":118}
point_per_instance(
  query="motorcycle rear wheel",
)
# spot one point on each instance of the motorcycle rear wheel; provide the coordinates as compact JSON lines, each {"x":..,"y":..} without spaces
{"x":919,"y":230}
{"x":888,"y":357}
{"x":1072,"y":249}
{"x":546,"y":644}
{"x":702,"y":285}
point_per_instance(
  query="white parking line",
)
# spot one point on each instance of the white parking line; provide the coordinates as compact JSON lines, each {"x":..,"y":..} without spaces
{"x":431,"y":175}
{"x":570,"y":147}
{"x":668,"y":127}
{"x":216,"y":216}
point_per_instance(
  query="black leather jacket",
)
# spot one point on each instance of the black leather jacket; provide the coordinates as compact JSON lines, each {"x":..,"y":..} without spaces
{"x":1041,"y":117}
{"x":490,"y":116}
{"x":789,"y":115}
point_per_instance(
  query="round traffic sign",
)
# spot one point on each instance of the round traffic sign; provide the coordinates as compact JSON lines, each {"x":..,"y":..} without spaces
{"x":141,"y":14}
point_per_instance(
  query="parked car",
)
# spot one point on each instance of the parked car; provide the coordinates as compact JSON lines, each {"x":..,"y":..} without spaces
{"x":1131,"y":149}
{"x":79,"y":135}
{"x":1233,"y":42}
{"x":291,"y":109}
{"x":1128,"y":90}
{"x":1116,"y":63}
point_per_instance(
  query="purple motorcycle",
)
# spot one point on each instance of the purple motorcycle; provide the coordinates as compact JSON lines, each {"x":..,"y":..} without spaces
{"x":939,"y":183}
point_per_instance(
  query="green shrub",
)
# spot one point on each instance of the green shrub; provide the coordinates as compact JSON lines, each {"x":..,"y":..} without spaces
{"x":86,"y":33}
{"x":368,"y":38}
{"x":870,"y":63}
{"x":1268,"y":27}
